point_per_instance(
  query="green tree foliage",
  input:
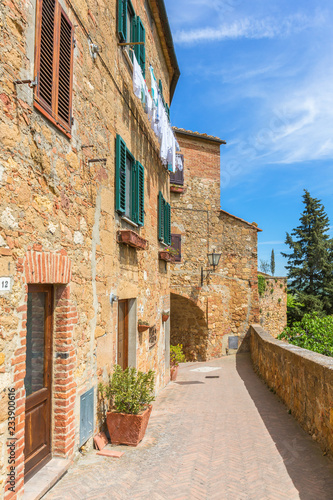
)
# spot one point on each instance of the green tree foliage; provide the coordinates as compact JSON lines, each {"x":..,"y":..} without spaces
{"x":312,"y":332}
{"x":294,"y":309}
{"x":310,"y":265}
{"x":264,"y":266}
{"x":272,"y":263}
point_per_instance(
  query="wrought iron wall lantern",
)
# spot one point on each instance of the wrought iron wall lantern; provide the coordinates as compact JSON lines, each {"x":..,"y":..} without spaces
{"x":213,"y":259}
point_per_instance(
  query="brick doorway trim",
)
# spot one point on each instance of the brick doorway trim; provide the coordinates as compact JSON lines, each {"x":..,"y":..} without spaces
{"x":53,"y":268}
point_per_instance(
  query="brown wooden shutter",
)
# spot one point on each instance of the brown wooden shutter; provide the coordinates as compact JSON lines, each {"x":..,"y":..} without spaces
{"x":65,"y":69}
{"x":178,"y":176}
{"x":54,"y":63}
{"x":45,"y":52}
{"x":176,"y":243}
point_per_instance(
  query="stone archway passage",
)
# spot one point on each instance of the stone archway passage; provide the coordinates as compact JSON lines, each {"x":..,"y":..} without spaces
{"x":188,"y":327}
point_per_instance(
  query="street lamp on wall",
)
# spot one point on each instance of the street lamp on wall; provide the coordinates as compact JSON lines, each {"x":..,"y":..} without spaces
{"x":213,"y":259}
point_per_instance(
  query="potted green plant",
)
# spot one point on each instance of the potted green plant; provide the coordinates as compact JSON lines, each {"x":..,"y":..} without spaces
{"x":142,"y":325}
{"x":176,"y":356}
{"x":165,"y":316}
{"x":168,"y":254}
{"x":129,"y":393}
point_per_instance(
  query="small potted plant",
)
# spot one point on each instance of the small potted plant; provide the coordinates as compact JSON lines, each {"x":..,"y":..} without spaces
{"x":165,"y":316}
{"x":168,"y":254}
{"x":129,"y":394}
{"x":142,"y":325}
{"x":176,"y":356}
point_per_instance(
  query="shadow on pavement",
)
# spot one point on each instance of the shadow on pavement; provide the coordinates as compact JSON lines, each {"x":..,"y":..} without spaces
{"x":310,"y":471}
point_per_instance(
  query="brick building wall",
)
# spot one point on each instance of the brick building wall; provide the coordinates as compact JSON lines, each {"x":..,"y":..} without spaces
{"x":58,"y":223}
{"x":273,"y":304}
{"x":205,"y":314}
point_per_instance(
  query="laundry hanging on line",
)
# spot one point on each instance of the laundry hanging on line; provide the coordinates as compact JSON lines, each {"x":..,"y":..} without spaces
{"x":153,"y":105}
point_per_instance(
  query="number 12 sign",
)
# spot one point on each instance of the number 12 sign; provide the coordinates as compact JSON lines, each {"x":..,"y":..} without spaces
{"x":5,"y":284}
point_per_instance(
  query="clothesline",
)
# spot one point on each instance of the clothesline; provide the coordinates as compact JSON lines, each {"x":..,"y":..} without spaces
{"x":153,"y":105}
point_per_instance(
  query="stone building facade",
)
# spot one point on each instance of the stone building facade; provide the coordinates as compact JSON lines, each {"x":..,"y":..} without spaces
{"x":65,"y":271}
{"x":211,"y":309}
{"x":273,"y":303}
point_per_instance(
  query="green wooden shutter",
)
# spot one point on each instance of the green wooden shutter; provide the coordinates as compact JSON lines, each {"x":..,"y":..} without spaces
{"x":140,"y":50}
{"x":160,"y":216}
{"x":134,"y":192}
{"x":140,"y":194}
{"x":167,"y":223}
{"x":120,"y":175}
{"x":122,"y":19}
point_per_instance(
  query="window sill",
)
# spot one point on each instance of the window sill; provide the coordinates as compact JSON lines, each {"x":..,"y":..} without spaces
{"x":129,"y":221}
{"x":49,"y":117}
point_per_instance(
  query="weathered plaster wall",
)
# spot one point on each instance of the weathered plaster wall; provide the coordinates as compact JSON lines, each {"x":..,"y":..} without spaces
{"x":227,"y":301}
{"x":53,"y":200}
{"x":273,"y":305}
{"x":302,"y":379}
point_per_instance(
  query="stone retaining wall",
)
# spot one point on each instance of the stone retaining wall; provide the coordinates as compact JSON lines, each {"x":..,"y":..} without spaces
{"x":273,"y":304}
{"x":302,"y":379}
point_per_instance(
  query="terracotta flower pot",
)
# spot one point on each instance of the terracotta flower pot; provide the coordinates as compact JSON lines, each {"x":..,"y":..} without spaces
{"x":127,"y":429}
{"x":175,"y":189}
{"x":173,"y":372}
{"x":167,"y":256}
{"x":142,"y":328}
{"x":132,"y":239}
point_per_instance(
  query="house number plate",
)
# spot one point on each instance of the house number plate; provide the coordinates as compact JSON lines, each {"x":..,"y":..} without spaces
{"x":5,"y":284}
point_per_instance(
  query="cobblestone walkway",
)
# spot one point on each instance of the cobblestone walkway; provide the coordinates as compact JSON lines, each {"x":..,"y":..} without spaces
{"x":225,"y":438}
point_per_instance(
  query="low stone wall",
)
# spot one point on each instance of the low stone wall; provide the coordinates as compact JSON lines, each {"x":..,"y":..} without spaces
{"x":302,"y":379}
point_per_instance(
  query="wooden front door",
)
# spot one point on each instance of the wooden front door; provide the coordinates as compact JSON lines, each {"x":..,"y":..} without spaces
{"x":38,"y":379}
{"x":122,"y":358}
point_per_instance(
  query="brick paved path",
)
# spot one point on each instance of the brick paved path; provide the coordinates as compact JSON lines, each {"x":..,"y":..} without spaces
{"x":226,"y":438}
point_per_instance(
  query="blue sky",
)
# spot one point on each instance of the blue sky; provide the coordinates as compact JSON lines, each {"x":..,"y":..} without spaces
{"x":259,"y":74}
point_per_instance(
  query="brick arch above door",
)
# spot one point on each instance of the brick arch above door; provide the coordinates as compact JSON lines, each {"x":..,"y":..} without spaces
{"x":47,"y":267}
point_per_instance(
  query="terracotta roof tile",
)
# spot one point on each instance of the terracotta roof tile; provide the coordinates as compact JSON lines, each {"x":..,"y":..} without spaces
{"x":198,"y":134}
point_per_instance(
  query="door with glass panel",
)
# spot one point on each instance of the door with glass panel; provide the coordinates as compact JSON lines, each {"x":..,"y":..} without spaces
{"x":38,"y":379}
{"x":122,"y":351}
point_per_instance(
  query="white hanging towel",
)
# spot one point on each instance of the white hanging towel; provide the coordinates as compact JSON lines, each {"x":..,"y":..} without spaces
{"x":137,"y":78}
{"x":179,"y":162}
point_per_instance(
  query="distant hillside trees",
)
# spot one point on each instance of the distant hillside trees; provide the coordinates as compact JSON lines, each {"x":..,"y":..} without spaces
{"x":310,"y":263}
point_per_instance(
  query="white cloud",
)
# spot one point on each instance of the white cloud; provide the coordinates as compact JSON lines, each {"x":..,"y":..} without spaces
{"x":249,"y":28}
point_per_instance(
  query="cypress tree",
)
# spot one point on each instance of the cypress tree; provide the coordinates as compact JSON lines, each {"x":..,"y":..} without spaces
{"x":310,"y":266}
{"x":272,"y":263}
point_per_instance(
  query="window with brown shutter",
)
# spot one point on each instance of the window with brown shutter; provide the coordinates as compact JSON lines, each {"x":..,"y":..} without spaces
{"x":178,"y":176}
{"x":176,"y":244}
{"x":54,"y":64}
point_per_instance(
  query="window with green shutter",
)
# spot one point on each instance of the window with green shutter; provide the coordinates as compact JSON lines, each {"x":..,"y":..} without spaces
{"x":140,"y":50}
{"x":129,"y":184}
{"x":126,"y":18}
{"x":122,"y":19}
{"x":164,"y":220}
{"x":141,"y":193}
{"x":160,"y":216}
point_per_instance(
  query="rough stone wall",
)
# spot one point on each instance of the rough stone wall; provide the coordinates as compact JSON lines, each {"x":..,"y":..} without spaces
{"x":273,"y":305}
{"x":203,"y":317}
{"x":302,"y":379}
{"x":53,"y":201}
